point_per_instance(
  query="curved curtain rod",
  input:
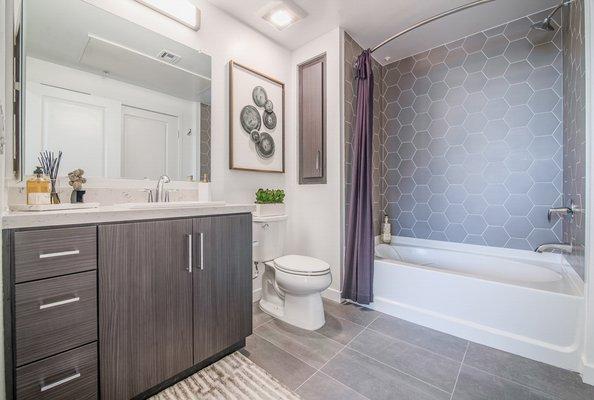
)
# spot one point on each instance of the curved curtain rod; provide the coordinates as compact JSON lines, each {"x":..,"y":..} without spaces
{"x":428,"y":20}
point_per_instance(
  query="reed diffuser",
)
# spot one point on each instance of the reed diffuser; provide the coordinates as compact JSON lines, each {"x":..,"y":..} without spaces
{"x":51,"y":165}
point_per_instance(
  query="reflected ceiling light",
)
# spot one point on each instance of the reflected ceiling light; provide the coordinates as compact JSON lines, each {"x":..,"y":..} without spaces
{"x":282,"y":14}
{"x":182,"y":11}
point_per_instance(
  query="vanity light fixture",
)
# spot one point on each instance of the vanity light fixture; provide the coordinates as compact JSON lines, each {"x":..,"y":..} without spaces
{"x":182,"y":11}
{"x":282,"y":14}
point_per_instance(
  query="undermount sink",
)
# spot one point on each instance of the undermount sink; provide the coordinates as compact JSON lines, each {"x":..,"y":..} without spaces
{"x":172,"y":204}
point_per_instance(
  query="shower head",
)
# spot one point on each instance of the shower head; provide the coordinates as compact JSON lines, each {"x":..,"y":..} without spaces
{"x":544,"y":25}
{"x":547,"y":23}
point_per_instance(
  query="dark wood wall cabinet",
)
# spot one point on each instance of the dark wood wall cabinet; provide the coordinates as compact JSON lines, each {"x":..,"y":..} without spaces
{"x":121,"y":311}
{"x":312,"y":121}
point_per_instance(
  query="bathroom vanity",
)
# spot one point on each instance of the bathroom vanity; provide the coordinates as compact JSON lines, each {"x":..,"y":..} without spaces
{"x":120,"y":304}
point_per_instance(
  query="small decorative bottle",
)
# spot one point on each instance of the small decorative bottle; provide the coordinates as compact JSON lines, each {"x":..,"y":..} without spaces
{"x":38,"y":189}
{"x":386,"y":236}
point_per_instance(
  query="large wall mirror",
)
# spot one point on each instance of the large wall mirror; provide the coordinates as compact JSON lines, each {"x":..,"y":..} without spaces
{"x":118,"y":100}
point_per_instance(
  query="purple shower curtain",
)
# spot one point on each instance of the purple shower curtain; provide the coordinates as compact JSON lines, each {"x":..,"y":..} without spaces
{"x":358,"y":278}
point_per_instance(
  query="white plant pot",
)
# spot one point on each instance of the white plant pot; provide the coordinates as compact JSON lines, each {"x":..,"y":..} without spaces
{"x":268,"y":210}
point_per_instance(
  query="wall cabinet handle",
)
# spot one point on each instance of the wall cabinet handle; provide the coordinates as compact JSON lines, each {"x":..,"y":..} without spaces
{"x":201,"y":251}
{"x":190,"y":256}
{"x":59,"y":254}
{"x":59,"y":303}
{"x":60,"y":382}
{"x":318,"y":156}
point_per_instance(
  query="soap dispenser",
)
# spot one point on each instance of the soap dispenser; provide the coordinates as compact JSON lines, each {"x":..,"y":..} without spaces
{"x":38,"y":189}
{"x":386,"y":236}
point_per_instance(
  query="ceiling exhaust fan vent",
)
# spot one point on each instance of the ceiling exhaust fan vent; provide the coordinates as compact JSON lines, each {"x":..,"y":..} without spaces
{"x":168,"y":57}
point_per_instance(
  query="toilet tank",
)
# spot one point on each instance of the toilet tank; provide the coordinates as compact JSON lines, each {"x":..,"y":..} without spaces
{"x":269,"y":237}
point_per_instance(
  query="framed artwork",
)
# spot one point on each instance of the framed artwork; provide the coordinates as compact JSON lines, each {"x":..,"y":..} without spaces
{"x":256,"y":121}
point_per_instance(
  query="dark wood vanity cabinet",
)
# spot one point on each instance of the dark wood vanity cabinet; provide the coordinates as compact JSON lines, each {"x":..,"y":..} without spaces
{"x":145,"y":305}
{"x":222,"y":283}
{"x":153,"y":303}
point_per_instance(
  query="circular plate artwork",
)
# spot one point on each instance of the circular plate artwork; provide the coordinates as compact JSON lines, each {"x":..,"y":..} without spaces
{"x":269,"y":120}
{"x":250,"y":119}
{"x":259,"y":95}
{"x":265,"y":147}
{"x":268,"y":106}
{"x":255,"y":135}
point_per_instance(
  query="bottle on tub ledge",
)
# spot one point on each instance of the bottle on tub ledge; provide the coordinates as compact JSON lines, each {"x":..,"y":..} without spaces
{"x":386,"y":236}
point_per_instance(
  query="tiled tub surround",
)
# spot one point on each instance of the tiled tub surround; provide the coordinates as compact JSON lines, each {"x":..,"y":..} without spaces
{"x":574,"y":115}
{"x":473,"y":139}
{"x":363,"y":354}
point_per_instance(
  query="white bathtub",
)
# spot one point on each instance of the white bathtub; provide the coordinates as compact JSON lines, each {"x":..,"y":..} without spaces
{"x":522,"y":302}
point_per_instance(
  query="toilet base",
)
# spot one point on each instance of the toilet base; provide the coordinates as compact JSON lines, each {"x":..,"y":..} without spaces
{"x":305,"y":312}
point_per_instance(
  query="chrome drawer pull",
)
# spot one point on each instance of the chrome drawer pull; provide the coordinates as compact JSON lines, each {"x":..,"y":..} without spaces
{"x":60,"y":254}
{"x":60,"y":382}
{"x":59,"y":303}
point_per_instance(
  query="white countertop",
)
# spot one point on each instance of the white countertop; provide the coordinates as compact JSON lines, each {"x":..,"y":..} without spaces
{"x":104,"y":214}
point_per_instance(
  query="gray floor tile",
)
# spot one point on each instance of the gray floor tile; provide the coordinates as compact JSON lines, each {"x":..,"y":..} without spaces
{"x":565,"y":385}
{"x":322,"y":387}
{"x":310,"y":347}
{"x":474,"y":384}
{"x":259,"y":317}
{"x":432,"y":340}
{"x":351,"y":312}
{"x":378,"y":381}
{"x":289,"y":370}
{"x":339,"y":329}
{"x":429,"y":367}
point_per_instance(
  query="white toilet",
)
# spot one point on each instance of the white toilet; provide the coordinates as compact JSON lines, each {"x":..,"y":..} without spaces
{"x":291,"y":284}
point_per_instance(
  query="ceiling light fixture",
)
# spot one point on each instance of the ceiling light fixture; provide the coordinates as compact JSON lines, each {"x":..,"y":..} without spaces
{"x":181,"y":11}
{"x":282,"y":14}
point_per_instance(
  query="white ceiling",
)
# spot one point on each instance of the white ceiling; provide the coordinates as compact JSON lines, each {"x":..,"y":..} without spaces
{"x":369,"y":22}
{"x":61,"y":31}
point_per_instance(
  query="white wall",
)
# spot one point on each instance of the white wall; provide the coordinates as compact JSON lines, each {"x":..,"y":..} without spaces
{"x":5,"y":12}
{"x":315,"y":212}
{"x":224,"y":39}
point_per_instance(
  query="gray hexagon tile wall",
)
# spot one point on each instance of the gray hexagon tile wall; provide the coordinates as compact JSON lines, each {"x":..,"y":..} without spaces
{"x":473,"y":138}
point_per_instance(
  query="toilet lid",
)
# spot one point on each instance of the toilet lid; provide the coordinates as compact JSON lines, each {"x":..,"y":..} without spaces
{"x":301,"y":264}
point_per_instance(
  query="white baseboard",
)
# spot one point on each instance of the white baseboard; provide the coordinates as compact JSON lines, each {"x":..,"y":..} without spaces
{"x":588,"y":373}
{"x":332,"y":294}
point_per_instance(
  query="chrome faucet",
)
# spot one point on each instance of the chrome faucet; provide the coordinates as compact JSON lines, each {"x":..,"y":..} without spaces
{"x":160,"y":195}
{"x":562,"y":211}
{"x":555,"y":247}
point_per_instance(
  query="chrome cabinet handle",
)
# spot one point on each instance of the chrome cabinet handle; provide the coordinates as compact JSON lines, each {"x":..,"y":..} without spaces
{"x":201,"y":251}
{"x":59,"y":254}
{"x":59,"y":303}
{"x":318,"y":161}
{"x":60,"y":382}
{"x":189,"y":236}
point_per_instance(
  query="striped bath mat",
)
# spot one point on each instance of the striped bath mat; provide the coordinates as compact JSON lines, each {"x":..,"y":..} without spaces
{"x":233,"y":377}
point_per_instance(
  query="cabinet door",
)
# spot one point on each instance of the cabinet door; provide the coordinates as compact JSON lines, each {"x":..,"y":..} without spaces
{"x":145,"y":305}
{"x":312,"y":121}
{"x":222,"y":283}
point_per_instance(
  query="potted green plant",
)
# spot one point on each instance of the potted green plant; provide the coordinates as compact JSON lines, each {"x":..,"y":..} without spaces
{"x":270,"y":202}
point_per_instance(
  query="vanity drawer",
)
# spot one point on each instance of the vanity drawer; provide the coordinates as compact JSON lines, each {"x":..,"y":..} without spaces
{"x":51,"y":252}
{"x":55,"y":315}
{"x":67,"y":376}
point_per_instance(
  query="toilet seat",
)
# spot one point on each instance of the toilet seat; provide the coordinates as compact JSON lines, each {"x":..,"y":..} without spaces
{"x":301,"y":265}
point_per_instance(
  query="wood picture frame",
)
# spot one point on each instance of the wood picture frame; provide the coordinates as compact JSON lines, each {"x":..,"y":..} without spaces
{"x":243,"y":154}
